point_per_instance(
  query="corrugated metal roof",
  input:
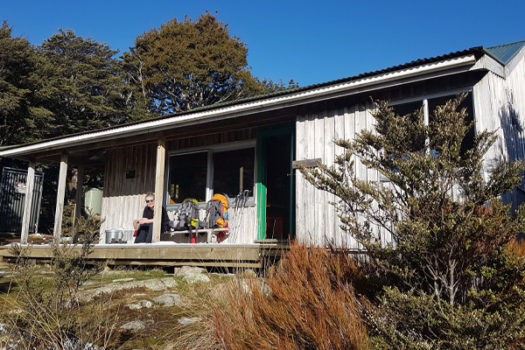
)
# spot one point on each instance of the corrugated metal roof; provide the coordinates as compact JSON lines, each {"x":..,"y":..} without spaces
{"x":505,"y":52}
{"x":477,"y":52}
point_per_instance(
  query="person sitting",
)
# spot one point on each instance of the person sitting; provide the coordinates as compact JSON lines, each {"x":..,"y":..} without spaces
{"x":145,"y":230}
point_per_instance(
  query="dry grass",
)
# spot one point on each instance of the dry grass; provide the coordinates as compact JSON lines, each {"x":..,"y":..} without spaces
{"x":44,"y":312}
{"x":307,"y":302}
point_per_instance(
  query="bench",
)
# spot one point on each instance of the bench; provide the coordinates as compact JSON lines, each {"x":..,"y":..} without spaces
{"x":211,"y":234}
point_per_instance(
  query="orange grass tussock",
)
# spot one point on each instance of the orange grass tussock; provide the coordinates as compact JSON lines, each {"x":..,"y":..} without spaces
{"x":307,"y":302}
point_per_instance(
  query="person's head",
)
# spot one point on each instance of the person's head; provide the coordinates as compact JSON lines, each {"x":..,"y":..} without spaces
{"x":150,"y":199}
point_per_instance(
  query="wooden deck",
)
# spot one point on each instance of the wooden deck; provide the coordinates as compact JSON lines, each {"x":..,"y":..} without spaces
{"x":205,"y":255}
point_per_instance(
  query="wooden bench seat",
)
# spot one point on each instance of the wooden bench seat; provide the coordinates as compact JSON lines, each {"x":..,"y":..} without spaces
{"x":211,"y":234}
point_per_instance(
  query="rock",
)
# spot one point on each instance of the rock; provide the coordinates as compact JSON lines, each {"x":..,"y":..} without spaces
{"x":158,"y":284}
{"x":134,"y":306}
{"x":191,"y":270}
{"x":186,"y":321}
{"x":146,"y":304}
{"x":153,"y":284}
{"x":248,"y":273}
{"x":129,"y":279}
{"x":91,"y":283}
{"x":192,"y":274}
{"x":196,"y":278}
{"x":170,"y":299}
{"x":134,"y":326}
{"x":143,"y":304}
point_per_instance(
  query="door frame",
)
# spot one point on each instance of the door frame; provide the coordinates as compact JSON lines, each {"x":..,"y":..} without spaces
{"x":261,"y":180}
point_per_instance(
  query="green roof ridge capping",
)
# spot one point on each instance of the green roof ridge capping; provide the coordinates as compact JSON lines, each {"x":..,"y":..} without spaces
{"x":505,"y":52}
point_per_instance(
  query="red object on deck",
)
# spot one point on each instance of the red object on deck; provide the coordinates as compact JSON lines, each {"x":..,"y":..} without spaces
{"x":222,"y":233}
{"x":193,"y":237}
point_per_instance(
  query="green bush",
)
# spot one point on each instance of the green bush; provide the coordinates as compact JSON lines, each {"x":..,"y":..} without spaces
{"x":447,"y":280}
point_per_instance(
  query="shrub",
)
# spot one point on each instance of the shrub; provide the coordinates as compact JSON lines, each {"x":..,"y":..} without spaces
{"x":307,"y":302}
{"x":449,"y":278}
{"x":44,"y":313}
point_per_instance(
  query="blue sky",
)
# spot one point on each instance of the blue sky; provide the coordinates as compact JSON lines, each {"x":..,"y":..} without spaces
{"x":308,"y":41}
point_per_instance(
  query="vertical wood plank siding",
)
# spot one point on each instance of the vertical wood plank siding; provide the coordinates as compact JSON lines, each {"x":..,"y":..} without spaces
{"x":499,"y":105}
{"x":123,"y":199}
{"x":316,"y":219}
{"x":320,"y":225}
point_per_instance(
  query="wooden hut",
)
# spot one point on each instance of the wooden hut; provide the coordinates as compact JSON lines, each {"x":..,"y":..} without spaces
{"x":255,"y":145}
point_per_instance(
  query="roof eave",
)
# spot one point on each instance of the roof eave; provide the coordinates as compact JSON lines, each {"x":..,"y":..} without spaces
{"x":250,"y":107}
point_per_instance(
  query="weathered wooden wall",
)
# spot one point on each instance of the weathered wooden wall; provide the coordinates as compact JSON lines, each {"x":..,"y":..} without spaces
{"x":499,"y":105}
{"x":316,"y":218}
{"x":123,"y":198}
{"x":243,"y":225}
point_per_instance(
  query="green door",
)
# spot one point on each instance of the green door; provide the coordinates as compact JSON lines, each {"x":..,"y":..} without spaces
{"x":275,"y":183}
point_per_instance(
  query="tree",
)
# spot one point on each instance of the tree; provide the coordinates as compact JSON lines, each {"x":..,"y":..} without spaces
{"x":448,"y":279}
{"x":184,"y":65}
{"x":82,"y":84}
{"x":20,"y":117}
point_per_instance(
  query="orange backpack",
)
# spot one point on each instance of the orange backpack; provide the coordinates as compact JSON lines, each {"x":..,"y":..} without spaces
{"x":217,"y":212}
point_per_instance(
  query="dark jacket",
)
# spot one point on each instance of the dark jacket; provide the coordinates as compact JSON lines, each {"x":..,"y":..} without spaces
{"x":148,"y":214}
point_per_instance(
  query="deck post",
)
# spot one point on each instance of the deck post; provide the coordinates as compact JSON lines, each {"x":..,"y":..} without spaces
{"x":61,"y":191}
{"x":28,"y":202}
{"x":159,"y":188}
{"x":80,"y":192}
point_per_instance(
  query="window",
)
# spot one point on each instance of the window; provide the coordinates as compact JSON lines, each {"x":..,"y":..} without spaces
{"x":411,"y":107}
{"x":233,"y":171}
{"x":407,"y":108}
{"x":412,"y":113}
{"x":422,"y":144}
{"x":200,"y":174}
{"x":187,"y":177}
{"x":468,"y":142}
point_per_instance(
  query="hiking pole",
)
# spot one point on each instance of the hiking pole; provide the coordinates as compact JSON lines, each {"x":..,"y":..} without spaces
{"x":243,"y":197}
{"x":235,"y":228}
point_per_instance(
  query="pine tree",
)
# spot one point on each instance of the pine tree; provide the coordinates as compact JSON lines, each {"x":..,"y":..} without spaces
{"x":448,"y":279}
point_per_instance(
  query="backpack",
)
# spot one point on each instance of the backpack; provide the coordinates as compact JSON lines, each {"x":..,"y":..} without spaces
{"x":186,"y":217}
{"x":217,"y":212}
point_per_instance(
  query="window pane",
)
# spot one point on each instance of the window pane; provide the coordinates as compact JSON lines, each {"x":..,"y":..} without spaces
{"x":411,"y":113}
{"x":407,"y":108}
{"x":233,"y":171}
{"x":468,"y":141}
{"x":188,"y":177}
